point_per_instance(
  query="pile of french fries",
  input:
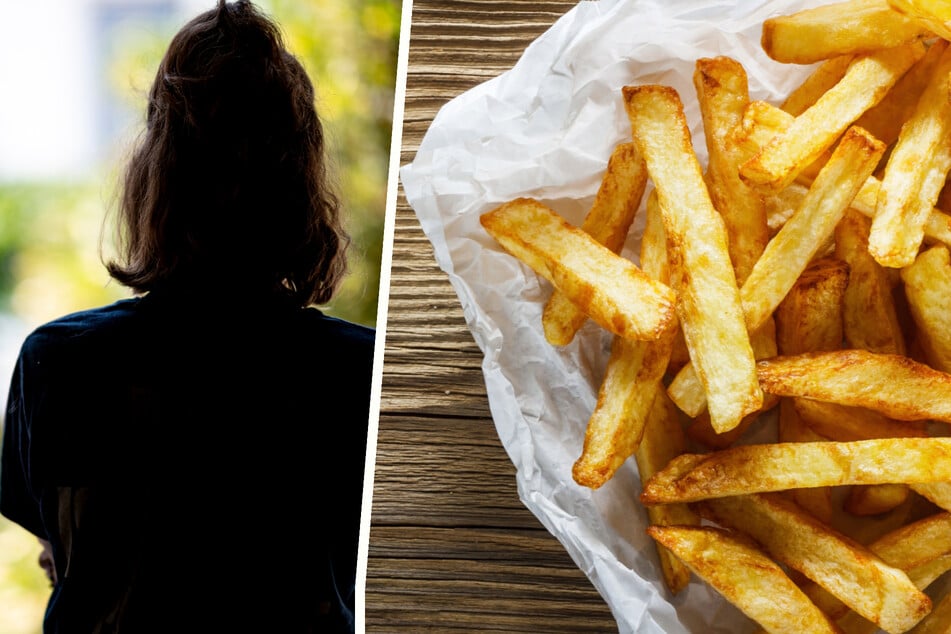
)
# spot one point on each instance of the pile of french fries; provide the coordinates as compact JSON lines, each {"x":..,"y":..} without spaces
{"x":800,"y":277}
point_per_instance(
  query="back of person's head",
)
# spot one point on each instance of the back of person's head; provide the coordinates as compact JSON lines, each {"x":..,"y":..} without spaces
{"x":228,"y":187}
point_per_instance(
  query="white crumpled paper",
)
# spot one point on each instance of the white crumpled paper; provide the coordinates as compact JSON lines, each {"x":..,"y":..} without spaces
{"x":545,"y":130}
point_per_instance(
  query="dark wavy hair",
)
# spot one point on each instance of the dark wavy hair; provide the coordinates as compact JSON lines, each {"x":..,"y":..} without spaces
{"x":228,"y":187}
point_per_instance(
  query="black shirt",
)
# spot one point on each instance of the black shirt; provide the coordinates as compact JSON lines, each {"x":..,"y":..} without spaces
{"x":196,"y":464}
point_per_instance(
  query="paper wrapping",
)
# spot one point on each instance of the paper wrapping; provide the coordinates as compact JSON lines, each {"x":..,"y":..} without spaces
{"x":545,"y":130}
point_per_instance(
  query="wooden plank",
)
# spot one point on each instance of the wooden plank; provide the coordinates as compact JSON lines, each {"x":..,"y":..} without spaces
{"x":452,"y":547}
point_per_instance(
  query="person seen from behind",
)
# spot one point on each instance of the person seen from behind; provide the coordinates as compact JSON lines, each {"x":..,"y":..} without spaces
{"x":192,"y":457}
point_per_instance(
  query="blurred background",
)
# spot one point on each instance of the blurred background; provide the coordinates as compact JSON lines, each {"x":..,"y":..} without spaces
{"x":74,"y":76}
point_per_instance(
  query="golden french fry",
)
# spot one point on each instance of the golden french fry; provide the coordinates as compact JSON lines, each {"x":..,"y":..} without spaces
{"x":763,"y":340}
{"x":894,"y":385}
{"x":841,"y":422}
{"x":788,"y":254}
{"x":885,"y":119}
{"x":869,"y":77}
{"x":869,"y":313}
{"x":745,"y":576}
{"x":686,"y":390}
{"x":631,"y":379}
{"x":914,"y":175}
{"x":855,"y":575}
{"x":708,"y":305}
{"x":824,"y":77}
{"x":616,"y":425}
{"x":608,"y":221}
{"x":790,"y":251}
{"x":938,"y":621}
{"x":933,"y":14}
{"x":769,"y":467}
{"x":611,"y":289}
{"x":809,"y":319}
{"x":875,"y":499}
{"x":915,"y":545}
{"x":939,"y":493}
{"x":815,"y":500}
{"x":927,"y":285}
{"x":840,"y":28}
{"x":920,"y":549}
{"x":723,"y":94}
{"x":663,"y":439}
{"x":762,"y":121}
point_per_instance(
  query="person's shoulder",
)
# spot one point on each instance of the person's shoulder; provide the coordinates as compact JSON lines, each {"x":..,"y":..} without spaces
{"x":80,"y":326}
{"x":340,"y":330}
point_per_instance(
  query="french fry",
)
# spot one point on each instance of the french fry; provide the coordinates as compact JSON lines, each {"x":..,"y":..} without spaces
{"x":762,"y":121}
{"x":921,"y":549}
{"x":796,"y":244}
{"x":840,"y":28}
{"x":790,"y":251}
{"x":760,"y":468}
{"x":815,"y":500}
{"x":745,"y":576}
{"x":608,"y":221}
{"x":631,"y":380}
{"x":885,"y":119}
{"x":841,"y":422}
{"x":612,"y":290}
{"x":663,"y":439}
{"x":875,"y":499}
{"x":809,"y":318}
{"x":894,"y":385}
{"x":869,"y":77}
{"x":938,"y":493}
{"x":824,"y":77}
{"x":869,"y":313}
{"x":708,"y":303}
{"x":914,"y":175}
{"x":934,"y":14}
{"x":938,"y":621}
{"x":927,"y":285}
{"x":881,"y":593}
{"x":616,"y":425}
{"x":723,"y":95}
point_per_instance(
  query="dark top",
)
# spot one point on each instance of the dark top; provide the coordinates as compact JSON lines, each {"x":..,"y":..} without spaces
{"x":197,"y":465}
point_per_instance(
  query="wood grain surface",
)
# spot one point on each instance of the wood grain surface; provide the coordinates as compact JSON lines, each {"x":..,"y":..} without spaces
{"x":452,"y":548}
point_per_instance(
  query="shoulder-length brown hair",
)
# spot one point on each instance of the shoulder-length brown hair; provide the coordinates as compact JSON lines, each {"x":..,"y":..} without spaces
{"x":228,"y":187}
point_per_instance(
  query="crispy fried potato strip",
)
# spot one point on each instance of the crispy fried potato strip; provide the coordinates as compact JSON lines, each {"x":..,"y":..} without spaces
{"x":762,"y":121}
{"x":631,"y":379}
{"x":745,"y":576}
{"x":914,"y":175}
{"x":927,"y":285}
{"x":663,"y":440}
{"x":881,"y":593}
{"x":791,"y":250}
{"x":894,"y":385}
{"x":869,"y":312}
{"x":708,"y":303}
{"x":840,"y":28}
{"x":611,"y":289}
{"x":869,"y":77}
{"x":758,"y":468}
{"x":608,"y":221}
{"x":933,"y":14}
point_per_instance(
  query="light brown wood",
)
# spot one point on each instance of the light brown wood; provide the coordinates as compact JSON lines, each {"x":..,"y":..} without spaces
{"x":452,"y":548}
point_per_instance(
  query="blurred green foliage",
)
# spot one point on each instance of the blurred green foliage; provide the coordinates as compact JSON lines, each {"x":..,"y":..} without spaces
{"x":50,"y":232}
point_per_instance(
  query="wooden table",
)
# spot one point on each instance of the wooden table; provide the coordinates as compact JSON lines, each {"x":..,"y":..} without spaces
{"x":452,"y":548}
